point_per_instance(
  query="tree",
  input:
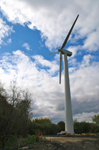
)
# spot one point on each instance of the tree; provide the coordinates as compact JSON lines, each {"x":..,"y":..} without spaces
{"x":42,"y":120}
{"x":95,"y":119}
{"x":5,"y":112}
{"x":61,"y":126}
{"x":14,"y":114}
{"x":82,"y":127}
{"x":43,"y":125}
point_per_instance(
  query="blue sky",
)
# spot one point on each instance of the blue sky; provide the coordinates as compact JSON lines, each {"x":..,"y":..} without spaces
{"x":29,"y":31}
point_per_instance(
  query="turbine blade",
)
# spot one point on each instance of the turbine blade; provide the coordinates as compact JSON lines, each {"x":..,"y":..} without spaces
{"x":60,"y":68}
{"x":53,"y":52}
{"x":65,"y":41}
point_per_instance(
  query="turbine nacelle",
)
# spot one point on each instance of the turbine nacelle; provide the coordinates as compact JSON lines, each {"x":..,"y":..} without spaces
{"x":63,"y":51}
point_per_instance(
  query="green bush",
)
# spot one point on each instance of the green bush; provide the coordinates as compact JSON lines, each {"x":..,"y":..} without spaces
{"x":31,"y":139}
{"x":11,"y":141}
{"x":31,"y":146}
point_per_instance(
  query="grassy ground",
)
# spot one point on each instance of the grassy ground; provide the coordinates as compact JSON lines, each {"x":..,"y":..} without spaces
{"x":15,"y":143}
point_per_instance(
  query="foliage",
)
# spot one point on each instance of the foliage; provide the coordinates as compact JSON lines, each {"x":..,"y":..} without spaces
{"x":42,"y":121}
{"x":21,"y":141}
{"x":46,"y":128}
{"x":95,"y":119}
{"x":85,"y":127}
{"x":11,"y":141}
{"x":31,"y":146}
{"x":31,"y":139}
{"x":14,"y":115}
{"x":50,"y":128}
{"x":61,"y":125}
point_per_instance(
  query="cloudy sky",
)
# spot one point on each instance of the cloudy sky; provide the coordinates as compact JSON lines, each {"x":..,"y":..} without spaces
{"x":29,"y":31}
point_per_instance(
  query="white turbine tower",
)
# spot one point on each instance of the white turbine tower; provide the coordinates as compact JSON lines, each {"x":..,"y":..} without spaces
{"x":68,"y":109}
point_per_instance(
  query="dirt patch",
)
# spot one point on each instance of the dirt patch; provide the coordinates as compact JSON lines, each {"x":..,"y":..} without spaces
{"x":67,"y":143}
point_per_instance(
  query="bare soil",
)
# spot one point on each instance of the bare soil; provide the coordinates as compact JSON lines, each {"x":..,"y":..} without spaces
{"x":67,"y":143}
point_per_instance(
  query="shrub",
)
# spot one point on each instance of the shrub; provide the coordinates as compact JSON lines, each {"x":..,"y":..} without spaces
{"x":31,"y":139}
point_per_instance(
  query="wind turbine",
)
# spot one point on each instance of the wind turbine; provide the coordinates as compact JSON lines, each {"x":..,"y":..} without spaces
{"x":68,"y":109}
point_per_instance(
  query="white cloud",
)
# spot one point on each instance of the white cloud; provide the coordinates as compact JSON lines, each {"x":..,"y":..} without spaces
{"x":54,"y":19}
{"x":5,"y":30}
{"x":27,"y":46}
{"x":74,"y":50}
{"x":9,"y":41}
{"x":84,"y":80}
{"x":85,"y":116}
{"x":52,"y":66}
{"x":92,"y":42}
{"x":48,"y":95}
{"x":86,"y":60}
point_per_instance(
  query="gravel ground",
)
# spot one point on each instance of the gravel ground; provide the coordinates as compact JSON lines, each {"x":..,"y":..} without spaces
{"x":67,"y":143}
